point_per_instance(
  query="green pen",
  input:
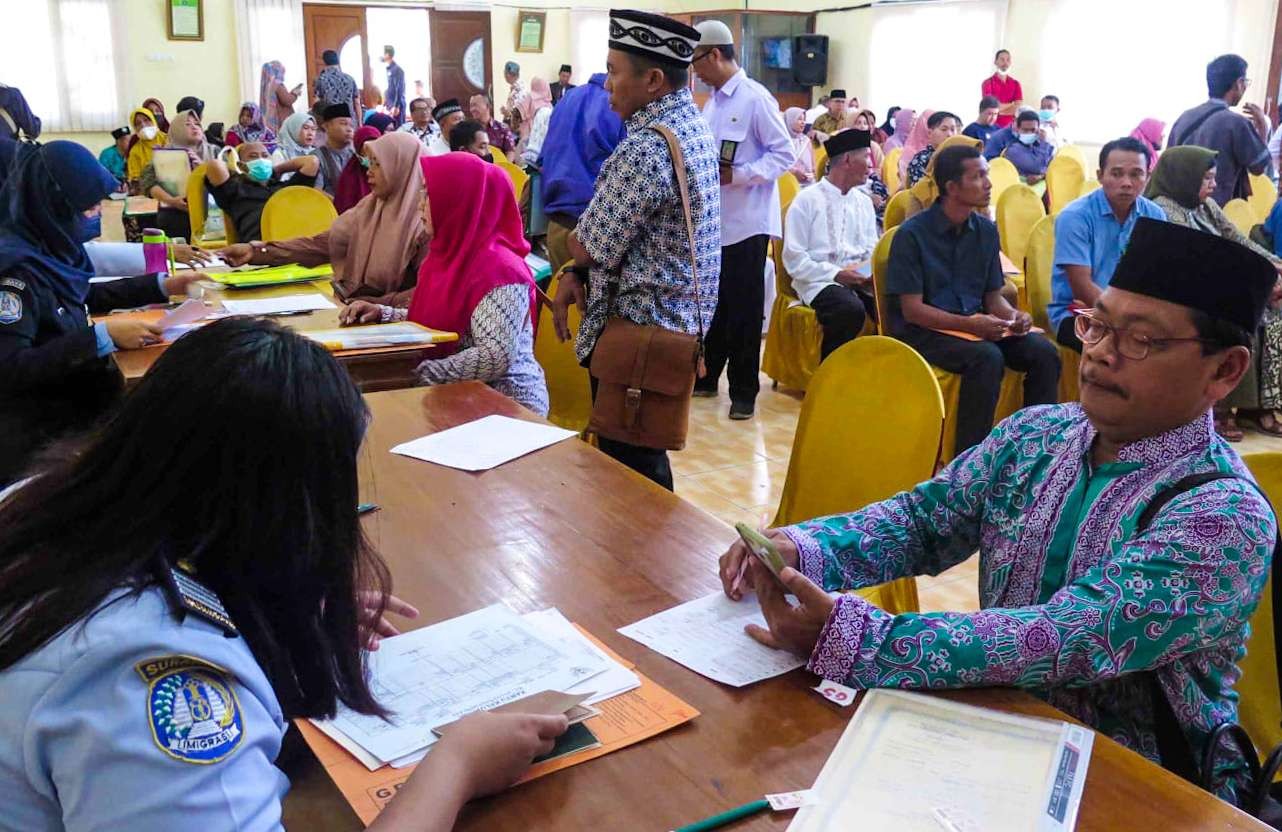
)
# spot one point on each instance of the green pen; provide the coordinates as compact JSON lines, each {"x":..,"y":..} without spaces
{"x":728,"y":816}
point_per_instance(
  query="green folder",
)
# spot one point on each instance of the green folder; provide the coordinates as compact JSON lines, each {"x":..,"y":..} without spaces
{"x":272,"y":276}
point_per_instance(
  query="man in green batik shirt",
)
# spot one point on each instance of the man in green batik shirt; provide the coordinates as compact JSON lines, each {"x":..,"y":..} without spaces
{"x":1081,"y":606}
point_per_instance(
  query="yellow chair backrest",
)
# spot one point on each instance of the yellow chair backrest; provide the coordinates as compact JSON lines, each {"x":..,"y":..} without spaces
{"x":1088,"y":186}
{"x":821,"y":162}
{"x":789,"y":187}
{"x":896,"y":210}
{"x":1240,"y":214}
{"x":880,"y":271}
{"x":890,"y":169}
{"x":1075,"y":152}
{"x":1002,"y":173}
{"x":297,"y":211}
{"x":1018,"y":209}
{"x":1064,"y":178}
{"x":197,"y":198}
{"x":1263,"y":194}
{"x":1039,"y":259}
{"x":569,"y":390}
{"x":518,"y":176}
{"x":1260,"y":703}
{"x":846,"y":453}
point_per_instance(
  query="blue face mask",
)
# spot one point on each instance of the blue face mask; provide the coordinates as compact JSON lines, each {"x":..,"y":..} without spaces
{"x":259,"y":170}
{"x":88,"y":228}
{"x":364,"y":161}
{"x":1046,"y":115}
{"x":1028,"y":138}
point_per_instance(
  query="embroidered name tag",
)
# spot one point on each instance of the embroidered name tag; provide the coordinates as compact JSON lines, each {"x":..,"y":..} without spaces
{"x":192,"y":708}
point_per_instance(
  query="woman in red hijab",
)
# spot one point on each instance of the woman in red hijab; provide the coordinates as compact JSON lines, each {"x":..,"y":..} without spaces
{"x":353,"y":183}
{"x":474,"y":281}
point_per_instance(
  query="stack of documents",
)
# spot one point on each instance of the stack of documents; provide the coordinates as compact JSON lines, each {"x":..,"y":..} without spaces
{"x":436,"y":675}
{"x":375,"y":336}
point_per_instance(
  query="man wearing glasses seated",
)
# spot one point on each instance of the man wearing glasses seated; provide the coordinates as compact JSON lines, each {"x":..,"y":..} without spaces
{"x":1133,"y":624}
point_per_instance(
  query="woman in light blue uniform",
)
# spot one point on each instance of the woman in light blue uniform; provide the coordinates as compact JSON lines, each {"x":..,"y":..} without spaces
{"x":178,"y":584}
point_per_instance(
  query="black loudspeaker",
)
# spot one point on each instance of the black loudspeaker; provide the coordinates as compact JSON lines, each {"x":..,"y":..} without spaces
{"x":810,"y":60}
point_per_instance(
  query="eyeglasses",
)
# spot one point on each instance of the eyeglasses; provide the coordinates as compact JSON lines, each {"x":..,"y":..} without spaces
{"x":1129,"y":344}
{"x":698,"y":58}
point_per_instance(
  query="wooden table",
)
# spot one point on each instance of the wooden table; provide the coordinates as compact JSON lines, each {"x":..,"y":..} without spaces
{"x":390,"y":368}
{"x":569,"y":527}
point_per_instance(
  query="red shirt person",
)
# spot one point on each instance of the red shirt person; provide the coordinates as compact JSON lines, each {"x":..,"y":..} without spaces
{"x":1004,"y":88}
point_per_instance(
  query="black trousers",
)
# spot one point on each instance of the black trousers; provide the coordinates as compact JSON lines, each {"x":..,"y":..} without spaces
{"x":981,"y":365}
{"x":841,"y":311}
{"x":651,"y":463}
{"x":734,"y":338}
{"x":1067,"y":334}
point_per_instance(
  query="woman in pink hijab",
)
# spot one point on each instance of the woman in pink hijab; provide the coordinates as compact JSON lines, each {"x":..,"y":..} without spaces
{"x":903,"y":126}
{"x":474,"y":281}
{"x":1151,"y":131}
{"x":918,"y":138}
{"x":536,"y":111}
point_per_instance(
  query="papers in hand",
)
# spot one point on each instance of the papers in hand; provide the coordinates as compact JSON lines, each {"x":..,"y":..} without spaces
{"x":706,"y":635}
{"x":436,"y":675}
{"x":279,"y":306}
{"x":484,"y":443}
{"x":908,"y":759}
{"x":183,"y":319}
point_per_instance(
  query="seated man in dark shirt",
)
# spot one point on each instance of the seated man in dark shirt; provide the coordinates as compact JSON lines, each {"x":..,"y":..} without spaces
{"x":945,"y":275}
{"x":243,"y":194}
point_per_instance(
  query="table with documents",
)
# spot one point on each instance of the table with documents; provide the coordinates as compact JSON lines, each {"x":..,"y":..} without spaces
{"x":569,"y":529}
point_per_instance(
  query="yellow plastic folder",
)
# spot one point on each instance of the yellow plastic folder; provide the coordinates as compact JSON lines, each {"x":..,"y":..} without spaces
{"x":378,"y":336}
{"x":271,"y":276}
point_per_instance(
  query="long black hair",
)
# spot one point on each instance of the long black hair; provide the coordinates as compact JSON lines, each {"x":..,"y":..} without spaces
{"x":237,"y":455}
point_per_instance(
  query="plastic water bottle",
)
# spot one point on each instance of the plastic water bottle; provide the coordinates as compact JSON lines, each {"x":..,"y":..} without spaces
{"x":155,"y":250}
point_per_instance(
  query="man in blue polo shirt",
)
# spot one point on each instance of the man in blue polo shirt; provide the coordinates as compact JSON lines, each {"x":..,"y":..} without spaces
{"x":582,"y":134}
{"x":945,"y":290}
{"x":1092,"y":232}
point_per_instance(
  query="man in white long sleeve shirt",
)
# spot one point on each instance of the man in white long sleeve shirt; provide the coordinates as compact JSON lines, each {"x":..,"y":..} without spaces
{"x":829,"y":239}
{"x":756,"y":149}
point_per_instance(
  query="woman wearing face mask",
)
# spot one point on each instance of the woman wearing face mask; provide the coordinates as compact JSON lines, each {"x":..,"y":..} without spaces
{"x":376,"y":247}
{"x":353,"y":182}
{"x":297,"y":136}
{"x":147,"y":136}
{"x":188,"y":135}
{"x":55,"y":374}
{"x":474,"y":281}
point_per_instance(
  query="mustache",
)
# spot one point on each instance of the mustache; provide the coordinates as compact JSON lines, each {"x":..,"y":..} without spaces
{"x":1090,"y":378}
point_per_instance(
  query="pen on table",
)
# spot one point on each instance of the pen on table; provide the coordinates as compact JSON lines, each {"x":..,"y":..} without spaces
{"x":726,"y":817}
{"x":366,"y":508}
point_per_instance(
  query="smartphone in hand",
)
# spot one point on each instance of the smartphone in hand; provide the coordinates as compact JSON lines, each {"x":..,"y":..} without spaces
{"x":762,"y":548}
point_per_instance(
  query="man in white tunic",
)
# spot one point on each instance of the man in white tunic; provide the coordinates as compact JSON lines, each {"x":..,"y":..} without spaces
{"x":829,"y":236}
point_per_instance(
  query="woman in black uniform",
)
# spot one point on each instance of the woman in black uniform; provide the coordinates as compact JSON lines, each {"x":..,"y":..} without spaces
{"x":54,"y":372}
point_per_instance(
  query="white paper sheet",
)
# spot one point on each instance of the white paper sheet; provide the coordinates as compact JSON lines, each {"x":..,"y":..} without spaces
{"x":615,"y":680}
{"x":906,"y":759}
{"x":437,"y":674}
{"x":484,"y":443}
{"x":216,"y":263}
{"x":279,"y":306}
{"x":706,"y":635}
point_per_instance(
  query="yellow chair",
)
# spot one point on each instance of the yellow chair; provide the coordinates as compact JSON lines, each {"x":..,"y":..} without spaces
{"x":297,"y":211}
{"x":821,"y":162}
{"x":1088,"y":186}
{"x":896,"y":210}
{"x":1240,"y":214}
{"x":1064,"y":178}
{"x":1003,"y":174}
{"x":518,"y":176}
{"x":847,"y":455}
{"x":1260,"y":704}
{"x":569,"y":390}
{"x":1012,"y":393}
{"x":1075,"y":152}
{"x":794,"y":339}
{"x":1263,"y":194}
{"x":197,"y":202}
{"x":890,"y":169}
{"x":1039,"y":258}
{"x":1019,"y":208}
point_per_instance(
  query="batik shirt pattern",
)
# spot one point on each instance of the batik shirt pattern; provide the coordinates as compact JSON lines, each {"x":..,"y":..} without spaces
{"x":635,"y":230}
{"x":1174,"y":599}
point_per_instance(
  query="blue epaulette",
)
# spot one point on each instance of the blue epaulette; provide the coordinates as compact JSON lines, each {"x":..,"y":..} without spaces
{"x":194,"y":597}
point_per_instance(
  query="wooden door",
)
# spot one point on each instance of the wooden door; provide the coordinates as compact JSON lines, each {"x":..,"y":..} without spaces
{"x":330,"y":27}
{"x":461,"y":56}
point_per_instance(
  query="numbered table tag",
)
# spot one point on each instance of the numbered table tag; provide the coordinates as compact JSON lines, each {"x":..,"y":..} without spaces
{"x":837,"y":693}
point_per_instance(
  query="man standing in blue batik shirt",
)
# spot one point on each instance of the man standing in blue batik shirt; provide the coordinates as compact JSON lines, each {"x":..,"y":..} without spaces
{"x":632,"y":238}
{"x":1123,"y":546}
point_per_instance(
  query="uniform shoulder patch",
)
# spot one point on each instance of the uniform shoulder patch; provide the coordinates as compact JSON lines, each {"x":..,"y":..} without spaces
{"x":192,"y":708}
{"x":194,"y":597}
{"x":10,"y":307}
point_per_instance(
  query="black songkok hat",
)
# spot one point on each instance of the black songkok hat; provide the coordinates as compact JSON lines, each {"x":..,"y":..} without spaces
{"x":653,"y":36}
{"x":448,"y":107}
{"x":1219,"y":277}
{"x":837,"y":94}
{"x":566,"y":68}
{"x":846,"y":141}
{"x":120,"y":132}
{"x":340,"y":110}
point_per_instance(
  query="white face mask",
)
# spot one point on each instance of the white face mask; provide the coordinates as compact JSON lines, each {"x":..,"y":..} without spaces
{"x":148,"y":132}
